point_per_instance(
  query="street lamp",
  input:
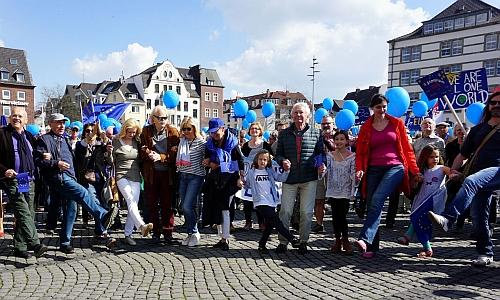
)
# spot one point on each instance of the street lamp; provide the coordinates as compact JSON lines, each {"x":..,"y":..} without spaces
{"x":313,"y":73}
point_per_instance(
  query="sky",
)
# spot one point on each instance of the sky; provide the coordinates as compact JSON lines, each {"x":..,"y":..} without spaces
{"x":254,"y":45}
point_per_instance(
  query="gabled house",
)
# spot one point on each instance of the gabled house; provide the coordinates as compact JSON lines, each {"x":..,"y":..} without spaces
{"x":127,"y":92}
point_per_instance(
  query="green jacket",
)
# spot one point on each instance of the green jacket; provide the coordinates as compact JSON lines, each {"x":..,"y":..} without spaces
{"x":302,"y":169}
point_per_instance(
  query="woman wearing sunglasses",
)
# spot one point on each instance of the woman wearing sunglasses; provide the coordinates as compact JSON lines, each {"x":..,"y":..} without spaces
{"x":191,"y":173}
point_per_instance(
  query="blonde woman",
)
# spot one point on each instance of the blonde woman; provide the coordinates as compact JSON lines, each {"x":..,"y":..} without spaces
{"x":128,"y":176}
{"x":191,"y":173}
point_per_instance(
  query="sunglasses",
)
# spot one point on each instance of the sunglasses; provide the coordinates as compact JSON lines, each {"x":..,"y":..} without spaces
{"x":329,"y":123}
{"x":88,"y":130}
{"x":186,"y":129}
{"x":493,"y":103}
{"x":160,"y":118}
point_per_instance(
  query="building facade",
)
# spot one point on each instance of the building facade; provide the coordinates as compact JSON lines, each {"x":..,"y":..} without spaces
{"x":464,"y":36}
{"x":16,"y":84}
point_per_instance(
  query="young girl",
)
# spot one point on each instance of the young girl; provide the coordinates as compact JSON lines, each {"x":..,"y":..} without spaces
{"x":432,"y":184}
{"x":340,"y":188}
{"x":261,"y":180}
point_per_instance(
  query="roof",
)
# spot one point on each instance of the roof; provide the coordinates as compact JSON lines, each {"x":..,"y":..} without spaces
{"x":459,"y":7}
{"x":189,"y":77}
{"x":87,"y":88}
{"x":6,"y":54}
{"x":101,"y":87}
{"x":363,"y":97}
{"x":129,"y":88}
{"x":281,"y":95}
{"x":207,"y":75}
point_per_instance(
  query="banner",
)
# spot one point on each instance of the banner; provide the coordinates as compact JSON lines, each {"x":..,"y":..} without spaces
{"x":246,"y":193}
{"x":467,"y":87}
{"x":362,"y":115}
{"x":412,"y":122}
{"x":91,"y":111}
{"x":435,"y":85}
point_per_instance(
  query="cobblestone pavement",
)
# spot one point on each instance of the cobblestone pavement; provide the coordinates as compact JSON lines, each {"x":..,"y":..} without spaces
{"x":160,"y":271}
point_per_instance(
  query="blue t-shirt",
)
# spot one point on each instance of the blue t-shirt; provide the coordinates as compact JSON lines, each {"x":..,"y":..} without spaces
{"x":489,"y":155}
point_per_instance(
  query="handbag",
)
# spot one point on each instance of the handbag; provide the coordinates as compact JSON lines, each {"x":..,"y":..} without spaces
{"x":110,"y":190}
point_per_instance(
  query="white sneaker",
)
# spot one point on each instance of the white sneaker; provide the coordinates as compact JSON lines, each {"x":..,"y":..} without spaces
{"x":439,"y":220}
{"x":482,"y":260}
{"x":186,"y":241}
{"x":195,"y":239}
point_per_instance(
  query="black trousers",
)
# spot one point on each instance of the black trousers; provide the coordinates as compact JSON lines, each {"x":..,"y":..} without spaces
{"x":271,"y":221}
{"x":248,"y":209}
{"x":340,"y":207}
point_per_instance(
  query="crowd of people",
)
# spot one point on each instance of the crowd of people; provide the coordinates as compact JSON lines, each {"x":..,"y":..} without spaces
{"x":158,"y":169}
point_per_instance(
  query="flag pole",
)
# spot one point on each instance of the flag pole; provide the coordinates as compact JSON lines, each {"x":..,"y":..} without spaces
{"x":445,"y":98}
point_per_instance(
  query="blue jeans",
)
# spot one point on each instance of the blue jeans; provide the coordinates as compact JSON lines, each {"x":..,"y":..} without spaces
{"x":476,"y":192}
{"x":189,"y":192}
{"x":72,"y":192}
{"x":380,"y":183}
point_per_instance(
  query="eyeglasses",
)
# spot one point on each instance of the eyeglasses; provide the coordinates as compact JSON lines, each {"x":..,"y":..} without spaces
{"x":493,"y":103}
{"x":160,"y":118}
{"x":186,"y":129}
{"x":328,"y":123}
{"x":88,"y":130}
{"x":254,"y":128}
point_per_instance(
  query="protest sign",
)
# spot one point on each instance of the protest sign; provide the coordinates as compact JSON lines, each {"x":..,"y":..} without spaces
{"x":246,"y":193}
{"x":468,"y":87}
{"x":435,"y":85}
{"x":362,"y":115}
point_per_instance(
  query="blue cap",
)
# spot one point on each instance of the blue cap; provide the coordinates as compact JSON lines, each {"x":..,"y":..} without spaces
{"x":214,"y":125}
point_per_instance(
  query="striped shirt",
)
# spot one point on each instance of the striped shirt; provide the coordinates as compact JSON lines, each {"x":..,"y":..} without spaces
{"x":196,"y":155}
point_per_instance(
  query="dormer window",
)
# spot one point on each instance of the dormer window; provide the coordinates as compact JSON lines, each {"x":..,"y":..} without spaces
{"x":13,"y":61}
{"x":470,"y":21}
{"x":482,"y":18}
{"x":132,"y":96}
{"x":19,"y":77}
{"x":4,"y":74}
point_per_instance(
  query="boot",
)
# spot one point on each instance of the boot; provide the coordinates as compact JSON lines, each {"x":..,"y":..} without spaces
{"x":346,"y":245}
{"x":337,"y":246}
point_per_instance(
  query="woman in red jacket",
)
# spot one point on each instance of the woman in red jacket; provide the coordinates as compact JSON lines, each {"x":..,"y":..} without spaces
{"x":384,"y":159}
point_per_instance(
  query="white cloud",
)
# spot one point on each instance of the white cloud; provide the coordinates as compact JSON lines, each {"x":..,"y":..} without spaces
{"x":214,"y":35}
{"x":133,"y":60}
{"x":2,"y":43}
{"x":349,"y":39}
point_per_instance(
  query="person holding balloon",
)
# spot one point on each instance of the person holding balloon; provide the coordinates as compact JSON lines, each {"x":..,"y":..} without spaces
{"x":384,"y":161}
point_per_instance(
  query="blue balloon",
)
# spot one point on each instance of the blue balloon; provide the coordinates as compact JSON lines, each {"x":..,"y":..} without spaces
{"x":328,"y":103}
{"x":351,"y":105}
{"x":251,"y":116}
{"x":240,"y":108}
{"x":248,"y":137}
{"x":116,"y":124}
{"x":204,"y":129}
{"x":268,"y":109}
{"x":106,"y":123}
{"x":33,"y":129}
{"x":245,"y":124}
{"x":102,"y":117}
{"x":430,"y":103}
{"x":79,"y":124}
{"x":419,"y":109}
{"x":170,"y":99}
{"x":319,"y":114}
{"x":266,"y":135}
{"x":67,"y":122}
{"x":355,"y":130}
{"x":344,"y":119}
{"x":474,"y":112}
{"x":399,"y":101}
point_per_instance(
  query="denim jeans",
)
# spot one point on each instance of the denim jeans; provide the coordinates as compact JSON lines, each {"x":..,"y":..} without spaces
{"x":189,"y":193}
{"x":380,"y":183}
{"x":476,"y":192}
{"x":71,"y":193}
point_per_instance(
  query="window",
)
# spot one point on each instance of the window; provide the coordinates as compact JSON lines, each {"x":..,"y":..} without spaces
{"x":157,"y":102}
{"x":148,"y":103}
{"x":438,"y":27}
{"x":428,"y":28}
{"x":4,"y":75}
{"x":482,"y":18}
{"x":21,"y":95}
{"x":170,"y":74}
{"x":13,"y":61}
{"x":165,"y":74}
{"x":405,"y":54}
{"x":414,"y":96}
{"x":491,"y":42}
{"x":165,"y":88}
{"x":172,"y":119}
{"x":459,"y":23}
{"x":456,"y":47}
{"x":157,"y":88}
{"x":207,"y":112}
{"x":186,"y":106}
{"x":448,"y":25}
{"x":178,"y":121}
{"x":193,"y":86}
{"x":415,"y":53}
{"x":216,"y":97}
{"x":452,"y":68}
{"x":6,"y":94}
{"x":135,"y":108}
{"x":228,"y":118}
{"x":210,"y":82}
{"x":404,"y":78}
{"x":6,"y":111}
{"x":490,"y":66}
{"x":215,"y":113}
{"x":20,"y":77}
{"x":132,"y":96}
{"x":414,"y":75}
{"x":498,"y":67}
{"x":169,"y":87}
{"x":445,"y":48}
{"x":470,"y":21}
{"x":195,"y":113}
{"x":179,"y":106}
{"x":207,"y":96}
{"x":178,"y":90}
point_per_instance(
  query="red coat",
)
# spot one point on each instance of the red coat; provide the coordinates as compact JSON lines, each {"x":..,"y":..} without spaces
{"x":403,"y":146}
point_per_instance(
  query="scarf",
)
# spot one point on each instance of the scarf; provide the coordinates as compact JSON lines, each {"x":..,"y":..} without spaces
{"x":222,"y":156}
{"x":26,"y":163}
{"x":183,"y":155}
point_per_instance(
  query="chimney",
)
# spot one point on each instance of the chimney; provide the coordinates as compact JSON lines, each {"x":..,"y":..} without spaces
{"x":268,"y":93}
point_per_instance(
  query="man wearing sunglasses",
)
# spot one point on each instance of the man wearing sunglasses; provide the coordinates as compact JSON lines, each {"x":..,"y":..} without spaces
{"x":477,"y":188}
{"x":158,"y":152}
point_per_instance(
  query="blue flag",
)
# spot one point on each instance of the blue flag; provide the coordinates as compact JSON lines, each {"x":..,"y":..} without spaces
{"x":115,"y":111}
{"x":420,"y":221}
{"x":23,"y":182}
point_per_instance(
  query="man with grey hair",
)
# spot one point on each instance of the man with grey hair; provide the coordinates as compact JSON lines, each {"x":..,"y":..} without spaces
{"x":428,"y":138}
{"x":298,"y":146}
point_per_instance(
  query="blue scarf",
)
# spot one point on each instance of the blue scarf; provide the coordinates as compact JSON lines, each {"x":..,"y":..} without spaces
{"x":222,"y":156}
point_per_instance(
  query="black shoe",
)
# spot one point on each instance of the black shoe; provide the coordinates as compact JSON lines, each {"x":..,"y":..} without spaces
{"x":109,"y":217}
{"x":156,"y":239}
{"x":295,"y":243}
{"x":318,"y":228}
{"x":225,"y":246}
{"x":263,"y":250}
{"x":281,"y":248}
{"x":219,"y":244}
{"x":22,"y":254}
{"x":169,"y":240}
{"x":40,"y":249}
{"x":67,"y":249}
{"x":303,"y":248}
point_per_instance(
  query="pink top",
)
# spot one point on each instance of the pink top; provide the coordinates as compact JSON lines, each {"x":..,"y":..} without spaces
{"x":383,"y":151}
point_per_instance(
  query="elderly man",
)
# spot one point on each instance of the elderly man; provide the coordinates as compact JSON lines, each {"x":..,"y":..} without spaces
{"x":428,"y":138}
{"x":442,"y":131}
{"x":55,"y":158}
{"x":298,"y":145}
{"x":158,"y":152}
{"x":18,"y":170}
{"x":482,"y":148}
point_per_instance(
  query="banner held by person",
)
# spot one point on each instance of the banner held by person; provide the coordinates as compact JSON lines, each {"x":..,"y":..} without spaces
{"x":246,"y":193}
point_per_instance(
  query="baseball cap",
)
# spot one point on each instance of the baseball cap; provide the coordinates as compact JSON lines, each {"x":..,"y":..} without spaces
{"x":214,"y":125}
{"x":57,"y":117}
{"x":443,"y":124}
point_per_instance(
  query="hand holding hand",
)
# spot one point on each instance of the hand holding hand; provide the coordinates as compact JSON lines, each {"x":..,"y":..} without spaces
{"x":10,"y":173}
{"x":359,"y":175}
{"x":47,"y":156}
{"x":286,"y":165}
{"x":322,"y":169}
